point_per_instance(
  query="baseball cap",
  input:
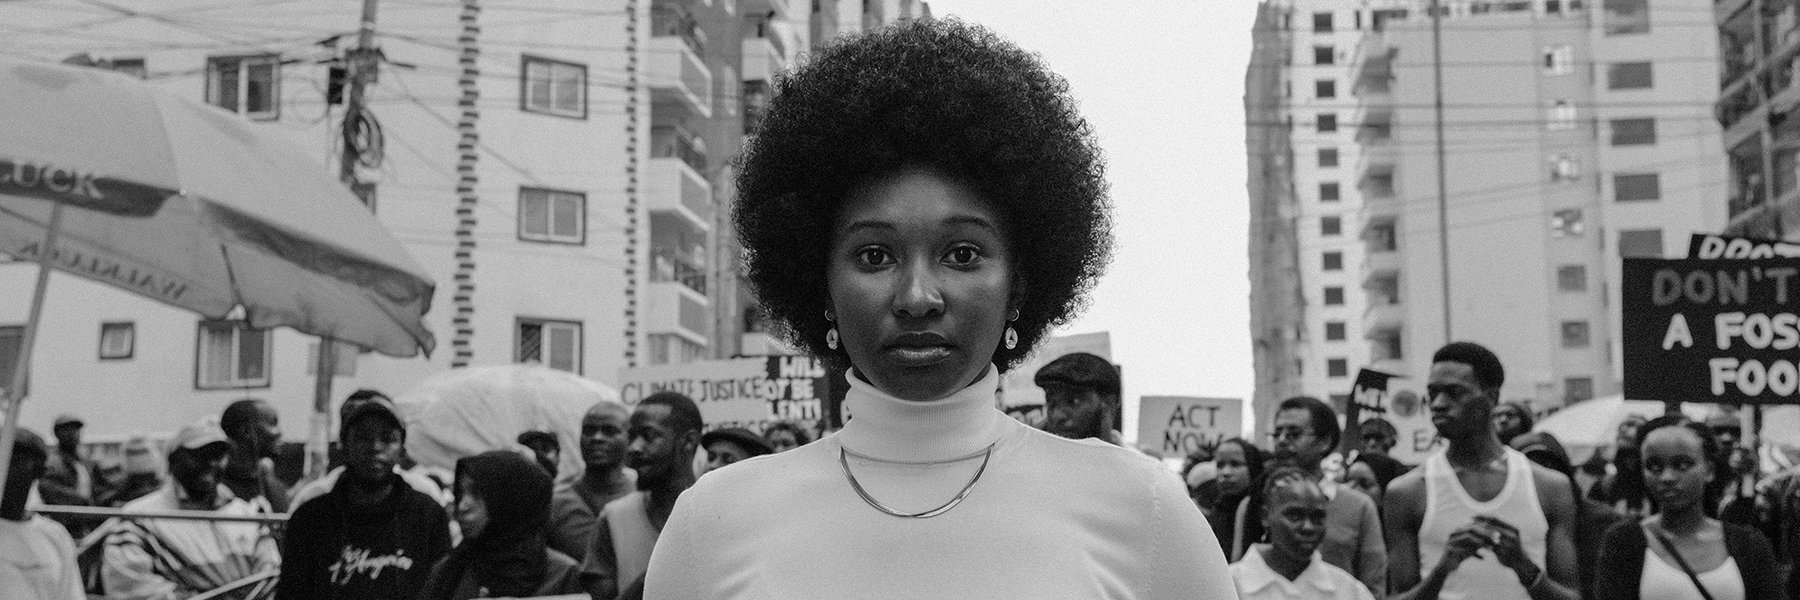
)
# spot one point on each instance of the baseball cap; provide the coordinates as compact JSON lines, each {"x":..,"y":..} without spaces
{"x":66,"y":419}
{"x":200,"y":434}
{"x":375,"y":406}
{"x":1080,"y":369}
{"x":744,"y":438}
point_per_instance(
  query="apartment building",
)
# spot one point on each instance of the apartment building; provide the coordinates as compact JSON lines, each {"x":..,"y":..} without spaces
{"x":1759,"y":42}
{"x":560,"y":167}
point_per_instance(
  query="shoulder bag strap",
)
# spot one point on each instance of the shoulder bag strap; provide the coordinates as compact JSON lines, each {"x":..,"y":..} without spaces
{"x":1664,"y":540}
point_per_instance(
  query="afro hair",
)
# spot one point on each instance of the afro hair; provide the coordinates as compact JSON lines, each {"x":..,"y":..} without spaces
{"x":942,"y":95}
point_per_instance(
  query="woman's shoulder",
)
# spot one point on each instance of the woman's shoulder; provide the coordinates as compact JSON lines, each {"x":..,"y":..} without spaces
{"x":1743,"y":539}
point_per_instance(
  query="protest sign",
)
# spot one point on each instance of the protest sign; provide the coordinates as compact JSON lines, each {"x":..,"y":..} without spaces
{"x":1179,"y":425}
{"x":741,"y":392}
{"x":1712,"y":246}
{"x":1373,"y":396}
{"x":1697,"y":330}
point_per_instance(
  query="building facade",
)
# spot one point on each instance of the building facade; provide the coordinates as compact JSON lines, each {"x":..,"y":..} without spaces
{"x":559,"y":167}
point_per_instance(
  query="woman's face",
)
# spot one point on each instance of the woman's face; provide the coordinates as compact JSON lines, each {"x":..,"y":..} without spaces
{"x":1675,"y":467}
{"x":470,"y":511}
{"x":1234,"y":471}
{"x":782,"y":440}
{"x":920,"y":278}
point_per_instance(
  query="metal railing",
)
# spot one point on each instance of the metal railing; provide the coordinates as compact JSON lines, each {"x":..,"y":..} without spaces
{"x":260,"y":585}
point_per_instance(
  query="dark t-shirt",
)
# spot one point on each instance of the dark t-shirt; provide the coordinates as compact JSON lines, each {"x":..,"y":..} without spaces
{"x":334,"y":550}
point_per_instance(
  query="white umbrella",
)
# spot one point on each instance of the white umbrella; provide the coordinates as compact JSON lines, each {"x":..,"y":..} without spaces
{"x":120,"y":182}
{"x":463,"y":412}
{"x":1588,"y":425}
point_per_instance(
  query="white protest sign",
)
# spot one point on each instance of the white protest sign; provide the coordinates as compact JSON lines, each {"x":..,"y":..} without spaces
{"x":1179,"y":425}
{"x":743,"y":392}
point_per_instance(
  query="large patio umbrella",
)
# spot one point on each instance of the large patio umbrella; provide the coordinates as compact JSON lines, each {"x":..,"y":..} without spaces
{"x":112,"y":179}
{"x":464,"y":412}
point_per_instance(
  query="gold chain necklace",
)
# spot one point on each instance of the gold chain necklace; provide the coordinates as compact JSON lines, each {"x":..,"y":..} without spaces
{"x":844,"y":455}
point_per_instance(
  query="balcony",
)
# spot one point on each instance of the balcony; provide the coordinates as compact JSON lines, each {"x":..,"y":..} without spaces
{"x":677,"y":142}
{"x":1376,"y":127}
{"x":762,"y":61}
{"x":1381,"y":263}
{"x":678,"y":79}
{"x":1383,"y":317}
{"x":672,"y":186}
{"x":671,"y":308}
{"x":1374,"y":75}
{"x":780,"y":9}
{"x":670,"y":266}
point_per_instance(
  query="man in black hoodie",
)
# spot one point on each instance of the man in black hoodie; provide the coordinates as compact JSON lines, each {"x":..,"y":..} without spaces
{"x":372,"y":536}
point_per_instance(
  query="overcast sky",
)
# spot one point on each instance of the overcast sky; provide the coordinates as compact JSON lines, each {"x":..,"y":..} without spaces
{"x":1162,"y":83}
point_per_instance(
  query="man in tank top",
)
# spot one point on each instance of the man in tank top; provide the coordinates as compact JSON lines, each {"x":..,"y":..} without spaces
{"x":1477,"y":520}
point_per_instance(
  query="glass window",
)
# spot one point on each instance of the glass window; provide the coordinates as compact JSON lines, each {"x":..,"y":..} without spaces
{"x":1571,"y":278}
{"x":1565,"y":169}
{"x":1559,"y":60}
{"x":1334,"y":331}
{"x":1636,"y":187}
{"x":554,"y":344}
{"x":552,"y":216}
{"x":1331,"y":225}
{"x":1327,"y":122}
{"x":1328,"y":157}
{"x":1337,"y":367}
{"x":1325,"y":89}
{"x":1321,"y":22}
{"x":1642,"y":243}
{"x":246,"y":85}
{"x":1329,"y":191}
{"x":1324,"y":55}
{"x":1574,"y":334}
{"x":230,"y":354}
{"x":1567,"y":223}
{"x":1629,"y":76}
{"x":1334,"y":296}
{"x":1333,"y":261}
{"x":1576,"y":389}
{"x":1626,"y":17}
{"x":554,"y":87}
{"x":1561,"y":116}
{"x":117,"y":340}
{"x":1633,"y":132}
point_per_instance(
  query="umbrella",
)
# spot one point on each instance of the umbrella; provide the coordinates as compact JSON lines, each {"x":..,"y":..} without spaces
{"x":108,"y":178}
{"x":463,"y":412}
{"x":1589,"y":425}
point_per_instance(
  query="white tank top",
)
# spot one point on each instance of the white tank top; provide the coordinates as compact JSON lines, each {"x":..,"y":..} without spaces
{"x":1665,"y":581}
{"x":1448,"y":507}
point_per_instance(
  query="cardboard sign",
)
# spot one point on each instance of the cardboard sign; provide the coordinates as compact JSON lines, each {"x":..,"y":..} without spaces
{"x":1725,"y":330}
{"x":743,"y":392}
{"x":1712,"y":246}
{"x":1374,"y":396}
{"x":1180,"y":425}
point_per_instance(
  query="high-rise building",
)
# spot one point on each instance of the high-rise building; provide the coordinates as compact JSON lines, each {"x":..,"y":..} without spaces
{"x":560,"y":167}
{"x":1758,"y":40}
{"x":1572,"y":134}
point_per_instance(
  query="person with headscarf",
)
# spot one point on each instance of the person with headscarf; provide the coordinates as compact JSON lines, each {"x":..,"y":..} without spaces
{"x":1511,"y":419}
{"x":1240,"y":470}
{"x":503,"y":506}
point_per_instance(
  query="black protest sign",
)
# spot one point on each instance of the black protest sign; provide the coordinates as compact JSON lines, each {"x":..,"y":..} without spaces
{"x":1697,"y":330}
{"x":1710,"y":246}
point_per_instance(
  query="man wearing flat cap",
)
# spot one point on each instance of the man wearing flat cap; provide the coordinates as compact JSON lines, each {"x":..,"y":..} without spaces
{"x":729,"y":445}
{"x":157,"y":559}
{"x":1081,"y":397}
{"x":70,"y":478}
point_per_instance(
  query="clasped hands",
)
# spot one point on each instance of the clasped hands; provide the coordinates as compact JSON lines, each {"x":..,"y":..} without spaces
{"x":1489,"y":533}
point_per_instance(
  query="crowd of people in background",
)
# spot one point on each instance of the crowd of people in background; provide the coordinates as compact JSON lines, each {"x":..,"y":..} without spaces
{"x":1674,"y":511}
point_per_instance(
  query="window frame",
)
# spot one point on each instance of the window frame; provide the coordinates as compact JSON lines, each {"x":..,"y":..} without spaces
{"x":242,"y":63}
{"x":1660,"y":247}
{"x":1613,"y":71}
{"x":235,"y":382}
{"x":1325,"y":55}
{"x":525,"y":64}
{"x":550,"y":236}
{"x":1559,"y":59}
{"x":1331,"y":152}
{"x":1616,"y":137}
{"x":1564,"y":278}
{"x":1337,"y":191}
{"x":1331,"y":226}
{"x":130,"y":334}
{"x":519,"y":323}
{"x":1325,"y":295}
{"x":1323,"y":22}
{"x":1326,"y":123}
{"x":1331,"y":261}
{"x":1325,"y":89}
{"x":1337,"y":367}
{"x":1620,"y":181}
{"x":1338,"y":327}
{"x":1583,"y":338}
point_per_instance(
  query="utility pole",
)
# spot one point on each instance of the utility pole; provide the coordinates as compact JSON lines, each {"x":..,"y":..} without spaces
{"x":1443,"y":193}
{"x":360,"y":63}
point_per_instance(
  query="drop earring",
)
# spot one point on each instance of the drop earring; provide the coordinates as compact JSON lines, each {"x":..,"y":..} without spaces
{"x":831,"y":338}
{"x":1012,"y":335}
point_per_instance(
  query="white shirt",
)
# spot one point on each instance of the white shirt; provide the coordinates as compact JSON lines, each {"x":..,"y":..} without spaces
{"x":37,"y":561}
{"x":1320,"y":581}
{"x":1663,"y":580}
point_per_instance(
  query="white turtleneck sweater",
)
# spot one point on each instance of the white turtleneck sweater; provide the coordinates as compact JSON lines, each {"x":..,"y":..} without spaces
{"x":1049,"y":518}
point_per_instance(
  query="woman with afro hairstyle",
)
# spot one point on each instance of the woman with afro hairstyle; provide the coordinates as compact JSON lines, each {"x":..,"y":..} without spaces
{"x":922,"y":204}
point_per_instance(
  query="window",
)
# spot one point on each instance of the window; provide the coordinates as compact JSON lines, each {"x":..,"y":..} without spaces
{"x":1334,"y":296}
{"x":1321,"y":22}
{"x":1626,"y":17}
{"x":1334,"y":331}
{"x":1644,"y":243}
{"x":1325,"y":89}
{"x":1337,"y":367}
{"x":1574,"y":334}
{"x":1629,"y":76}
{"x":1571,"y":278}
{"x":1634,"y":187}
{"x":343,"y":359}
{"x":1567,"y":223}
{"x":1333,"y":261}
{"x":553,"y":87}
{"x":1324,"y":55}
{"x":1576,"y":389}
{"x":117,"y":340}
{"x":1633,"y":132}
{"x":1329,"y":191}
{"x":1565,"y":169}
{"x":554,"y":344}
{"x":1328,"y":157}
{"x":552,"y":216}
{"x":247,"y":85}
{"x":1327,"y":122}
{"x":1560,"y":116}
{"x":1331,"y":225}
{"x":1559,"y":60}
{"x":230,"y":354}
